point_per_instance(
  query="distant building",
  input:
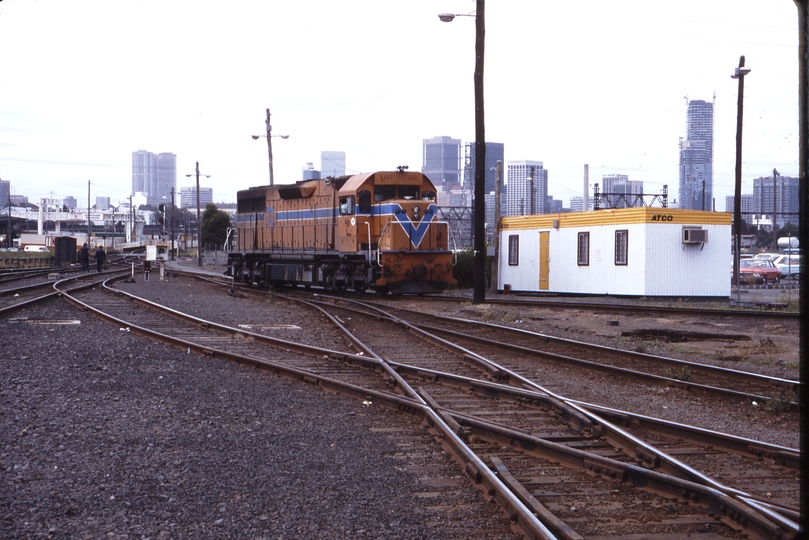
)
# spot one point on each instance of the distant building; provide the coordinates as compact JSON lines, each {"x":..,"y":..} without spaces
{"x":309,"y":172}
{"x":527,"y":188}
{"x":188,"y":197}
{"x":102,"y":203}
{"x":442,"y":160}
{"x":577,"y":204}
{"x":154,"y":174}
{"x":618,"y":191}
{"x":332,"y":164}
{"x":787,"y":203}
{"x":696,"y":157}
{"x":5,"y":192}
{"x":748,"y":214}
{"x":494,"y":153}
{"x":69,"y":202}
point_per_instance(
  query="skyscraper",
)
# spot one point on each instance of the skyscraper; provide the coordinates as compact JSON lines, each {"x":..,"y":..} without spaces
{"x":527,"y":188}
{"x":154,"y":174}
{"x":696,"y":157}
{"x":494,"y":153}
{"x":5,"y":192}
{"x":442,"y":161}
{"x":332,"y":164}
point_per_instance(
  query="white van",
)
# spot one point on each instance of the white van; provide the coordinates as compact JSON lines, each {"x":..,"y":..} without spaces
{"x":36,"y":249}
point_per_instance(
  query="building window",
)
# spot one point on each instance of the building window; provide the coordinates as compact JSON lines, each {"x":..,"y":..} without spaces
{"x":513,"y":250}
{"x":621,"y":247}
{"x":583,"y":252}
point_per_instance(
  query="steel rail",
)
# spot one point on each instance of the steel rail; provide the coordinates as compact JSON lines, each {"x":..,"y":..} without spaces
{"x":621,"y":439}
{"x":743,"y":376}
{"x":635,"y":308}
{"x":471,"y":464}
{"x":55,"y":293}
{"x":502,"y":373}
{"x":734,"y":514}
{"x":607,"y":425}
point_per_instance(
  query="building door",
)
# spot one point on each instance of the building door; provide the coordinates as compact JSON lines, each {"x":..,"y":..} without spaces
{"x":544,"y":260}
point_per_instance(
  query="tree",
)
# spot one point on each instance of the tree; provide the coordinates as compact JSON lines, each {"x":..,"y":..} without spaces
{"x":215,"y":224}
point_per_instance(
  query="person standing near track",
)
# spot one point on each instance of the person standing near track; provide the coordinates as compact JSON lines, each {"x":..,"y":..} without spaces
{"x":100,"y":256}
{"x":84,"y":255}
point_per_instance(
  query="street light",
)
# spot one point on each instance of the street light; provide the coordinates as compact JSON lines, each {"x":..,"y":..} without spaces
{"x":269,"y":136}
{"x":739,"y":74}
{"x":479,"y":267}
{"x":199,"y":221}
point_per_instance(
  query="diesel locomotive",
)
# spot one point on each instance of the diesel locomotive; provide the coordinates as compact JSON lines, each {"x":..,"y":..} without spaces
{"x":377,"y":231}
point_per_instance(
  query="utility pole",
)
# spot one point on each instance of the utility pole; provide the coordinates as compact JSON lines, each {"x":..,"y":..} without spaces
{"x":88,"y":213}
{"x":199,"y":220}
{"x":498,"y":178}
{"x":269,"y":146}
{"x":8,"y":236}
{"x":739,"y":74}
{"x":479,"y":265}
{"x":774,"y":210}
{"x":171,"y":246}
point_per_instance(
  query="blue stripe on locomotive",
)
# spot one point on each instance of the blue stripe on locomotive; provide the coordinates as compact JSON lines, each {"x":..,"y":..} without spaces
{"x":416,"y":232}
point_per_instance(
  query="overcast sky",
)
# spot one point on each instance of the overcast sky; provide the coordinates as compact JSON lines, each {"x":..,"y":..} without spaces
{"x":85,"y":83}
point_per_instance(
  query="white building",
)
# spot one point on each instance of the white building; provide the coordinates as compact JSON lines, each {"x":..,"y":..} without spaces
{"x":628,"y":251}
{"x":527,"y":188}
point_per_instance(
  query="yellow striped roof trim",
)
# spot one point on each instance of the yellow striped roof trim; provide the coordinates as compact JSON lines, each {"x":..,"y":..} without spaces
{"x":617,"y":216}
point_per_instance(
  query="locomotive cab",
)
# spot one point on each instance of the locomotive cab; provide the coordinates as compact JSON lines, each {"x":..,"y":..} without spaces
{"x":392,"y":216}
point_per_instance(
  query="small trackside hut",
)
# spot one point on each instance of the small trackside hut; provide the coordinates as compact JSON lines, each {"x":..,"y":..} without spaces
{"x":376,"y":230}
{"x":626,"y":251}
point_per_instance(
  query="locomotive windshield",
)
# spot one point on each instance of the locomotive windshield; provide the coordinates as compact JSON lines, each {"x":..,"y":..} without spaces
{"x":408,"y":192}
{"x":383,"y":193}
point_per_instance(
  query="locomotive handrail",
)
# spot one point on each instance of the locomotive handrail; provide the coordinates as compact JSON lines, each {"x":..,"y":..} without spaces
{"x":370,"y":254}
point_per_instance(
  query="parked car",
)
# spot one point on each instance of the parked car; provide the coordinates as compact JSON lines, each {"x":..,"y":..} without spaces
{"x":789,"y":265}
{"x":767,"y":256}
{"x":754,"y":271}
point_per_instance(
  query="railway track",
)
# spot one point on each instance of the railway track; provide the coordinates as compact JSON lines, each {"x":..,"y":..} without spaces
{"x":766,"y":311}
{"x":14,"y":298}
{"x":520,"y":350}
{"x":774,"y":481}
{"x":533,"y":451}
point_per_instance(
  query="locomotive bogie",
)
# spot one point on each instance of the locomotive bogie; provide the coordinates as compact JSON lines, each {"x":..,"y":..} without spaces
{"x":371,"y":231}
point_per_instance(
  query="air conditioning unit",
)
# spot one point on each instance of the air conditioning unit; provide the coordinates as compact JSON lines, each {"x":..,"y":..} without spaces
{"x":695,"y":236}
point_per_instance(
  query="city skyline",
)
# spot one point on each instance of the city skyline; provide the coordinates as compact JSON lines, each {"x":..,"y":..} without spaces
{"x":619,"y":110}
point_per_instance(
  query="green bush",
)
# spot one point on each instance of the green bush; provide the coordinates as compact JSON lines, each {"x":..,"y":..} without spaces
{"x":464,"y":269}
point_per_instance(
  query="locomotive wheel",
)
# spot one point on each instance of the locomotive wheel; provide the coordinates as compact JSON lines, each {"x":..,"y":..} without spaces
{"x":381,"y":291}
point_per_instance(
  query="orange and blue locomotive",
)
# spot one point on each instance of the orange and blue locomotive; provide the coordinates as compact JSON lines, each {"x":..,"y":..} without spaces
{"x":375,"y":231}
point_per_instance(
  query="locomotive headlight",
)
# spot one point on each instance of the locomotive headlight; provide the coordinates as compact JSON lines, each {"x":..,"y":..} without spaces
{"x":416,"y":210}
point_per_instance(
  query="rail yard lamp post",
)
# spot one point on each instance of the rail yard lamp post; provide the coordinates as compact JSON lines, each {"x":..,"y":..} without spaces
{"x":479,"y":267}
{"x":739,"y":74}
{"x":269,"y":136}
{"x":199,"y":221}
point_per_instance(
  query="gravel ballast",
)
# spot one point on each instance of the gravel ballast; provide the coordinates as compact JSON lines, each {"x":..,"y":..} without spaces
{"x":106,"y":434}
